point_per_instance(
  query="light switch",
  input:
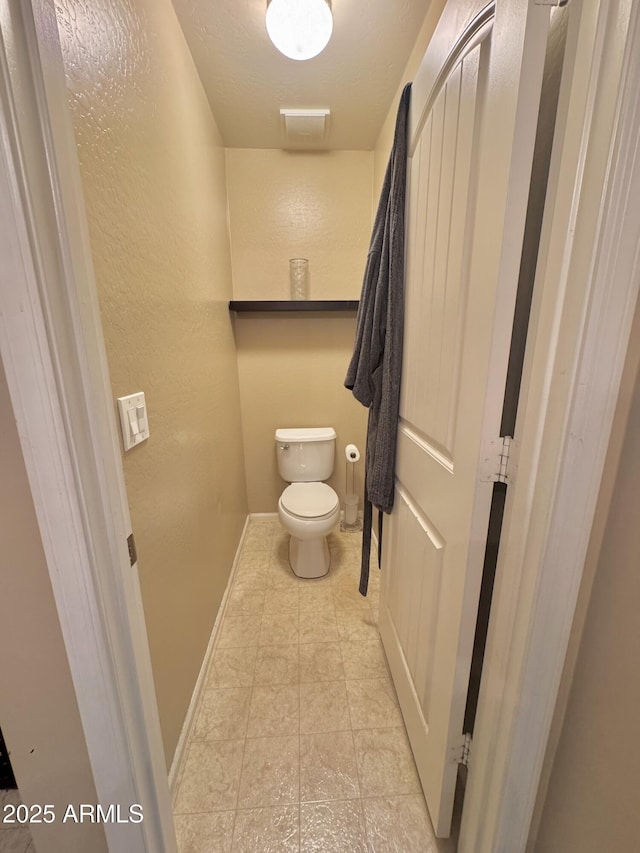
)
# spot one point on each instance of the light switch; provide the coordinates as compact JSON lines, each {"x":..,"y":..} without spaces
{"x":133,"y":422}
{"x":133,"y":419}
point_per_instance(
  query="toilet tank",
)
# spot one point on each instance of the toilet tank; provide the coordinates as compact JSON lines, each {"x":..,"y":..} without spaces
{"x":305,"y":455}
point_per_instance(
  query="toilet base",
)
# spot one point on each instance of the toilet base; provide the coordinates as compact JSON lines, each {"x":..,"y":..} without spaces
{"x":309,"y":558}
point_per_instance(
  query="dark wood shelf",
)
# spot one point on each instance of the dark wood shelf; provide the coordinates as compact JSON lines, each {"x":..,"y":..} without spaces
{"x":293,"y":306}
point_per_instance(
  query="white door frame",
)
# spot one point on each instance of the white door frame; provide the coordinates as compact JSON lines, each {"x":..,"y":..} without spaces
{"x":53,"y":353}
{"x":586,"y":292}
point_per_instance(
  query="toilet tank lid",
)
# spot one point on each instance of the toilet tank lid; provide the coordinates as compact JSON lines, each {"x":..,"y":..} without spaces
{"x":300,"y":434}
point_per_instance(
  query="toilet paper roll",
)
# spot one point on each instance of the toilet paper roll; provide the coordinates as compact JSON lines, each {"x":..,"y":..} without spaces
{"x":352,"y":453}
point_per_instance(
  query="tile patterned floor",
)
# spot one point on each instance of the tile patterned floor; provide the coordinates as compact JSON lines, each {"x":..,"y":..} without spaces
{"x":298,"y":743}
{"x":14,"y":839}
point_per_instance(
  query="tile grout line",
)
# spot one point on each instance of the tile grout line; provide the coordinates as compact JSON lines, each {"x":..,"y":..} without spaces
{"x":355,"y":756}
{"x":244,"y":742}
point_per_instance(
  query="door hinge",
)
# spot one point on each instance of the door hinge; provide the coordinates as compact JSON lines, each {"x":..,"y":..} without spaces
{"x":504,"y":455}
{"x":498,"y":463}
{"x":131,"y":545}
{"x":551,"y":2}
{"x":462,"y":750}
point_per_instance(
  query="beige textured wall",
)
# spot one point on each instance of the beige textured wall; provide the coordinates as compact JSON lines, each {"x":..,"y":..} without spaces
{"x":153,"y":170}
{"x":292,"y":369}
{"x":591,"y":801}
{"x":291,"y":375}
{"x":291,"y":204}
{"x":38,"y":708}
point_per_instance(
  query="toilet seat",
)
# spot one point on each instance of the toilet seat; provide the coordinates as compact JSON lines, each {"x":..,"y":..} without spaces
{"x":309,"y":500}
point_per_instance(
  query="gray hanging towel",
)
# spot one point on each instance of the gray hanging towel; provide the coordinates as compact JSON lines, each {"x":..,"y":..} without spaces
{"x":376,"y":364}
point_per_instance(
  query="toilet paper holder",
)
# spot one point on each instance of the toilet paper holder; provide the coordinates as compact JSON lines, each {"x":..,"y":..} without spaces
{"x":350,"y":521}
{"x":352,"y":453}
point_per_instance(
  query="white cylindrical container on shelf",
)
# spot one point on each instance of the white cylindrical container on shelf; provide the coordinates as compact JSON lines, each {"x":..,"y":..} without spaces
{"x":299,"y":278}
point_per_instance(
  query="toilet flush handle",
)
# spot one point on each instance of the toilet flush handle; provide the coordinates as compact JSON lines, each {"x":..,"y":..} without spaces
{"x":284,"y":447}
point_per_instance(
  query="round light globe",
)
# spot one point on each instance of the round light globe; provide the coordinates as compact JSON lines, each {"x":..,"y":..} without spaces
{"x":300,"y":29}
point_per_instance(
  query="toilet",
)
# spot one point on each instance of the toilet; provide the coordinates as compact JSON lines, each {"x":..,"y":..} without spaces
{"x":308,"y":508}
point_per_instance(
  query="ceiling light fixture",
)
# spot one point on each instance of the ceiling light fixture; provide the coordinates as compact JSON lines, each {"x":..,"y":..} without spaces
{"x":300,"y":29}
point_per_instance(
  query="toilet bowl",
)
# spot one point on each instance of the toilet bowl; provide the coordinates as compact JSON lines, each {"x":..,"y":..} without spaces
{"x":308,"y":508}
{"x":308,"y":512}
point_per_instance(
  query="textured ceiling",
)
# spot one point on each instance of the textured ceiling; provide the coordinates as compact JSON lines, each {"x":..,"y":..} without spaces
{"x":248,"y":81}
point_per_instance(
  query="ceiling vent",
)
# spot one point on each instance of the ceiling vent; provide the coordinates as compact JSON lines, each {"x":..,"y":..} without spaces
{"x":304,"y":128}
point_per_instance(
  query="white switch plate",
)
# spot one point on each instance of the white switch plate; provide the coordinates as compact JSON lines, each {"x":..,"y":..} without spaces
{"x":133,"y":419}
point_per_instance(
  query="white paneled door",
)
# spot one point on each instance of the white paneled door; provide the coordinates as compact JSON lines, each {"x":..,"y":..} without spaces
{"x":472,"y":127}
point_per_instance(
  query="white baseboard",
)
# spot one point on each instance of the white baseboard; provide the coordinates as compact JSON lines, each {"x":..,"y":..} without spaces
{"x":177,"y":765}
{"x":175,"y":772}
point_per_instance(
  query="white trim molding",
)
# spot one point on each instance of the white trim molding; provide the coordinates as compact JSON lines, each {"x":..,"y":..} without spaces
{"x":179,"y":756}
{"x":586,"y":290}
